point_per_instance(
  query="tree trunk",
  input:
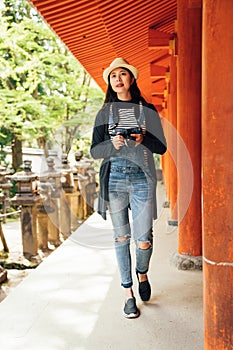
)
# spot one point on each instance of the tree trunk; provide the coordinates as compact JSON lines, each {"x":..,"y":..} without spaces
{"x":42,"y":143}
{"x":17,"y":153}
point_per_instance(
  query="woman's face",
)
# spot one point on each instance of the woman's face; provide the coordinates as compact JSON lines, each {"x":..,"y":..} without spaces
{"x":121,"y":81}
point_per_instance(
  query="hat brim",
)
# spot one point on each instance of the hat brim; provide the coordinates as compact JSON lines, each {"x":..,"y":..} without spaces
{"x":108,"y":70}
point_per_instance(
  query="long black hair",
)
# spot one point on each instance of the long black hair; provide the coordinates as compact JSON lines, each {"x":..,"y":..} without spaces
{"x":111,"y":96}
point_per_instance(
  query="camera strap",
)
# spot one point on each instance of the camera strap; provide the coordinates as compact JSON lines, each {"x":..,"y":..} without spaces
{"x":111,"y":124}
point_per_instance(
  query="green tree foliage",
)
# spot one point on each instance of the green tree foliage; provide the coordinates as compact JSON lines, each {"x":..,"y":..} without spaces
{"x":5,"y":139}
{"x":43,"y":88}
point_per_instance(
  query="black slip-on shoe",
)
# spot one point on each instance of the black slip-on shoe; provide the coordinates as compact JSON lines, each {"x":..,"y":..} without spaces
{"x":130,"y":309}
{"x":144,"y":289}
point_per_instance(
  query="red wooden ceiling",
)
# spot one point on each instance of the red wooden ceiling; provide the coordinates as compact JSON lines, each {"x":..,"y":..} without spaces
{"x":97,"y":31}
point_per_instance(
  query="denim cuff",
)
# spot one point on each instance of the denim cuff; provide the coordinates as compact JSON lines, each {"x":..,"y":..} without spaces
{"x":127,"y":285}
{"x":142,"y":273}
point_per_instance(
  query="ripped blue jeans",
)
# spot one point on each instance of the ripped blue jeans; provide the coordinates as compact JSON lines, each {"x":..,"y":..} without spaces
{"x":130,"y":187}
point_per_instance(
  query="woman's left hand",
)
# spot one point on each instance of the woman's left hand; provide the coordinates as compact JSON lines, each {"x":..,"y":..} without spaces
{"x":137,"y":138}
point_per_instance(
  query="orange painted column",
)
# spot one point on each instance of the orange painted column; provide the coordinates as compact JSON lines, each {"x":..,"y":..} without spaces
{"x":217,"y":161}
{"x":189,"y":15}
{"x":165,"y":157}
{"x":172,"y":142}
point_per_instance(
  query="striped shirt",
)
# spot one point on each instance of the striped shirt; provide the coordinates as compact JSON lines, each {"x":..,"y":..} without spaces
{"x":127,"y":118}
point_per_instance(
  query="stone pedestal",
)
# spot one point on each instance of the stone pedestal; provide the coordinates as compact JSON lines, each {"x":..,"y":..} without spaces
{"x":54,"y":223}
{"x":65,"y":218}
{"x":83,"y":182}
{"x":67,"y":181}
{"x":73,"y":202}
{"x":4,"y":243}
{"x":29,"y":230}
{"x":51,"y":188}
{"x":185,"y":262}
{"x":42,"y":226}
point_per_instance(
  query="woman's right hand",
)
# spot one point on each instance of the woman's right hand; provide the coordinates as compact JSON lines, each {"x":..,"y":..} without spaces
{"x":118,"y":141}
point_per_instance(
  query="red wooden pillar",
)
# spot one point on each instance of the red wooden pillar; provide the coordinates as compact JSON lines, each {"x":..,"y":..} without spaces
{"x":189,"y":15}
{"x":218,"y":173}
{"x":166,"y":156}
{"x":172,"y":144}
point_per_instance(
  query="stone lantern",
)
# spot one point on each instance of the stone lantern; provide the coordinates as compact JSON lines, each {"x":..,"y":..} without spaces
{"x":54,"y":178}
{"x":78,"y":155}
{"x":26,"y":197}
{"x":26,"y":182}
{"x":67,"y":178}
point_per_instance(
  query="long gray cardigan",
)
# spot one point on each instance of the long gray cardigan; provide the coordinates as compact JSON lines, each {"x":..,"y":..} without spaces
{"x":101,"y":147}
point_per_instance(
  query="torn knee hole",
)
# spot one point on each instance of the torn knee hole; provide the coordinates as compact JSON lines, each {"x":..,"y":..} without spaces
{"x":144,"y":245}
{"x":122,"y":239}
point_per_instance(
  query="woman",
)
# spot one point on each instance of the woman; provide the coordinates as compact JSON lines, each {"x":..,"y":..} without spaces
{"x":126,"y":133}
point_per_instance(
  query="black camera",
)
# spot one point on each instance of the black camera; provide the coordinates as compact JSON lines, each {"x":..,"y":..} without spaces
{"x":126,"y":133}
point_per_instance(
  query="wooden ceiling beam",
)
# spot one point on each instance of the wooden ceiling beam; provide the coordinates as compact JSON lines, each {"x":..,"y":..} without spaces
{"x":157,"y":71}
{"x":158,"y":93}
{"x":158,"y":39}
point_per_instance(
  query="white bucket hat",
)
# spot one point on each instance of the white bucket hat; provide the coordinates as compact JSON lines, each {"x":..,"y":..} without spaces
{"x":119,"y":63}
